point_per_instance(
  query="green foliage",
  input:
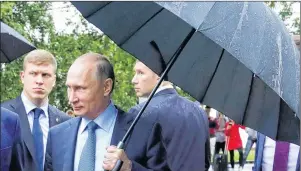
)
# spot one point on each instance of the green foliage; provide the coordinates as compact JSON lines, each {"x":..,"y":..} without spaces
{"x":21,"y":17}
{"x":285,"y":13}
{"x":29,"y":18}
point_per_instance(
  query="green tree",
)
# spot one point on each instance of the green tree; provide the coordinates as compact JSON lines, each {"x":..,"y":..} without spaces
{"x":286,"y":14}
{"x":33,"y":20}
{"x":27,"y":18}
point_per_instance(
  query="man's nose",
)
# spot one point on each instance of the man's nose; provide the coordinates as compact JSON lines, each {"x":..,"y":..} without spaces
{"x":134,"y":80}
{"x":72,"y":97}
{"x":39,"y":79}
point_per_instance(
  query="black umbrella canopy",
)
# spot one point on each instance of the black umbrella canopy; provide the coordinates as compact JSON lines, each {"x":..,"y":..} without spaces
{"x":240,"y":59}
{"x":13,"y":44}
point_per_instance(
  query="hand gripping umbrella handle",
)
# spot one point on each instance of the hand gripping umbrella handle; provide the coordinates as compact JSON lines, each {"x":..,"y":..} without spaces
{"x":119,"y":163}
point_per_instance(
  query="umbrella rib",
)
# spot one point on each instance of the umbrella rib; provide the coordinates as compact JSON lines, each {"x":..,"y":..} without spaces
{"x":141,"y":26}
{"x":92,"y":13}
{"x":249,"y":95}
{"x":219,"y":60}
{"x":5,"y":56}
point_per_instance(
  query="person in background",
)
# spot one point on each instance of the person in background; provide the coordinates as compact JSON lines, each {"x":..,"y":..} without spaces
{"x":36,"y":115}
{"x":273,"y":155}
{"x":220,"y":134}
{"x":184,"y":125}
{"x":251,"y":140}
{"x":235,"y":143}
{"x":212,"y":127}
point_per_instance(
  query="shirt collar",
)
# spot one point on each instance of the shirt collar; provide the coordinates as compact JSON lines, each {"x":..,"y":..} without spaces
{"x":143,"y":99}
{"x":105,"y":120}
{"x":29,"y":106}
{"x":163,"y":88}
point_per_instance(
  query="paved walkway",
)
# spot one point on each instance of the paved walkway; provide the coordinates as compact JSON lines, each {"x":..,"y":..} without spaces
{"x":248,"y":167}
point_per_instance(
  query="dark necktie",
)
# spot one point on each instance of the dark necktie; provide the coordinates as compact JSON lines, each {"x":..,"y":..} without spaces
{"x":281,"y":156}
{"x":38,"y":138}
{"x":87,"y":158}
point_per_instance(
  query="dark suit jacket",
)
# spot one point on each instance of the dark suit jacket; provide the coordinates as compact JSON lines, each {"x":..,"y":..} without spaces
{"x":144,"y":147}
{"x":55,"y":117}
{"x":184,"y":129}
{"x":10,"y":139}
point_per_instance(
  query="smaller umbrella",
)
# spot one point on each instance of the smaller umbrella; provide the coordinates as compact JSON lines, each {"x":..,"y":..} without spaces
{"x":13,"y":44}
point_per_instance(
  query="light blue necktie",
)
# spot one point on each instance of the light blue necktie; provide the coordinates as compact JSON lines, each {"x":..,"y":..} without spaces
{"x":87,"y":158}
{"x":38,"y":138}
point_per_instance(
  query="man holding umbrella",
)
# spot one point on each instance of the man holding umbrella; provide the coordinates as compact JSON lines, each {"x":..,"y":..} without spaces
{"x":87,"y":142}
{"x":184,"y":127}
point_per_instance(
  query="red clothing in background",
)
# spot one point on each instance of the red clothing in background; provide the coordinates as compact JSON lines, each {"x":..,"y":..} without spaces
{"x":233,"y":136}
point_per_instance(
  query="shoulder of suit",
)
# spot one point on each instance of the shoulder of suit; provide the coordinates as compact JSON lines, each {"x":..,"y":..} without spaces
{"x":59,"y":112}
{"x":8,"y":115}
{"x":9,"y":104}
{"x":63,"y":125}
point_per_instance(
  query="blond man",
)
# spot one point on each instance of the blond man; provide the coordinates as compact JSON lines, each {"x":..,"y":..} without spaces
{"x":36,"y":114}
{"x":183,"y":124}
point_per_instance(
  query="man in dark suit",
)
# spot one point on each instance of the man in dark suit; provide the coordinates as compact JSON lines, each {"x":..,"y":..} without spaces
{"x":35,"y":113}
{"x":88,"y":142}
{"x":183,"y":123}
{"x":10,"y":140}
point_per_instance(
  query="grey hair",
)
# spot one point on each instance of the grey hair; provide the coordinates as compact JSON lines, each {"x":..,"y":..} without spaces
{"x":104,"y":70}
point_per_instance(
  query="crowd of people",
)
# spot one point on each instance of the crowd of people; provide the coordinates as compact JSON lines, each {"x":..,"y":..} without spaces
{"x":173,"y":133}
{"x":270,"y":155}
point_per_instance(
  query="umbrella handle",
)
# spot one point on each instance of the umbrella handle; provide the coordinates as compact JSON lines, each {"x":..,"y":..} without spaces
{"x":119,"y":163}
{"x":117,"y":166}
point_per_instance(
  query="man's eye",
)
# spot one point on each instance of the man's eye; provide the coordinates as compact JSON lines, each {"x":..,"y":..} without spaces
{"x":81,"y":88}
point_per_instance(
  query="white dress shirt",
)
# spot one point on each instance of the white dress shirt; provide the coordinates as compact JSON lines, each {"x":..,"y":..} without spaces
{"x":44,"y":118}
{"x":269,"y":153}
{"x":106,"y":123}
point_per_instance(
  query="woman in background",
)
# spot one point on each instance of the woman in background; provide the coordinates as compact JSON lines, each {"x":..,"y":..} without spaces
{"x":235,"y":143}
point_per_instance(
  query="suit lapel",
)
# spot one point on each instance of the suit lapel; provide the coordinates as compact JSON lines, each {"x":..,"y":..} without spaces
{"x":54,"y":119}
{"x":24,"y":123}
{"x":122,"y":124}
{"x":70,"y":144}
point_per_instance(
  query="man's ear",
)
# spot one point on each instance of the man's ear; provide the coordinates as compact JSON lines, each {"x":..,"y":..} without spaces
{"x":108,"y":86}
{"x":22,"y":76}
{"x":54,"y":81}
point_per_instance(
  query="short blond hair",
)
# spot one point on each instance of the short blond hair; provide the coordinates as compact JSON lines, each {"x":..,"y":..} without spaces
{"x":39,"y":57}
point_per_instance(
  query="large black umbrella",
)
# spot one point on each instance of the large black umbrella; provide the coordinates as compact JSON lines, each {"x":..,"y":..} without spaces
{"x":237,"y":57}
{"x":13,"y":44}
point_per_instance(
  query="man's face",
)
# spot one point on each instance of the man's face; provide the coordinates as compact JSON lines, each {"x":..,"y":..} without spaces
{"x":144,"y":80}
{"x":38,"y":81}
{"x":85,"y":92}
